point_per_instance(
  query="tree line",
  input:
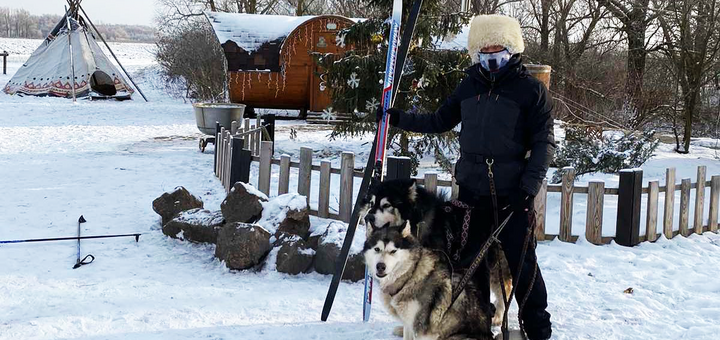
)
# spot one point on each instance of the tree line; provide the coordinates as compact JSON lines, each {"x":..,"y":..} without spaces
{"x":19,"y":23}
{"x":620,"y":64}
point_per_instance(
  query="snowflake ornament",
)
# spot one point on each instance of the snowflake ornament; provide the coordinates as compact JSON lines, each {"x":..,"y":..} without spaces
{"x":340,"y":40}
{"x":354,"y":82}
{"x":372,"y":105}
{"x":329,"y":114}
{"x":323,"y":87}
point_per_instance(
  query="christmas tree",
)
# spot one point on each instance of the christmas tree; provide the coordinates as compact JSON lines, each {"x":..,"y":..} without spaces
{"x":430,"y":75}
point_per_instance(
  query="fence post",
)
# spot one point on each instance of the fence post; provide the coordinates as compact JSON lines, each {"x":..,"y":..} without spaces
{"x":669,"y":203}
{"x":714,"y":197}
{"x":455,"y":188}
{"x":258,"y":134}
{"x":324,"y":194}
{"x":700,"y":199}
{"x":246,"y":128}
{"x":685,"y":206}
{"x":541,"y":211}
{"x":284,"y":182}
{"x":305,"y":173}
{"x":594,"y":220}
{"x":220,"y":153}
{"x":234,"y":127}
{"x":217,"y":143}
{"x":566,"y":203}
{"x":241,"y":161}
{"x":431,"y":179}
{"x":265,"y":167}
{"x":628,"y":212}
{"x":652,"y":211}
{"x":398,"y":168}
{"x":347,"y":169}
{"x":269,"y":122}
{"x":228,"y":157}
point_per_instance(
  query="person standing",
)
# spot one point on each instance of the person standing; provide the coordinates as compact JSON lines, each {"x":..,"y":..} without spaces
{"x":506,"y":131}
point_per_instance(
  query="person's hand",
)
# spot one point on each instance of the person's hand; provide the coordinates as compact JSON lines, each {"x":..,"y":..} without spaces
{"x":394,"y":115}
{"x":521,"y":201}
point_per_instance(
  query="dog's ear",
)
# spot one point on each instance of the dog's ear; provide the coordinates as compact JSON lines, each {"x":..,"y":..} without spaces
{"x":407,"y":230}
{"x":412,"y":190}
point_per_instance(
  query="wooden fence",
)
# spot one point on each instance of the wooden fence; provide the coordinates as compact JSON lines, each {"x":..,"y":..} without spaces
{"x":237,"y":146}
{"x":629,"y":193}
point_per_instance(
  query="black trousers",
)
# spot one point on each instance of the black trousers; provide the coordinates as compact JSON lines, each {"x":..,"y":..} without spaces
{"x":535,"y":317}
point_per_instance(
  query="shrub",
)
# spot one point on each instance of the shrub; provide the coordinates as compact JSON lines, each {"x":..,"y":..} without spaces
{"x":608,"y":154}
{"x":190,"y":54}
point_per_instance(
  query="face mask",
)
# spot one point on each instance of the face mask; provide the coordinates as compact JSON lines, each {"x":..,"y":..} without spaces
{"x":494,"y":61}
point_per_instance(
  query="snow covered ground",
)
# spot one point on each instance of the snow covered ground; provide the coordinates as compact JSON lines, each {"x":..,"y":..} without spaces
{"x":109,"y":160}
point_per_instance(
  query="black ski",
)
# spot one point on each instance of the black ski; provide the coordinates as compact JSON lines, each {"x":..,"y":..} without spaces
{"x":370,"y":168}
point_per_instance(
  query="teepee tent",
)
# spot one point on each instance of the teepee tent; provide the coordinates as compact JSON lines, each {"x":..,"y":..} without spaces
{"x":70,"y":57}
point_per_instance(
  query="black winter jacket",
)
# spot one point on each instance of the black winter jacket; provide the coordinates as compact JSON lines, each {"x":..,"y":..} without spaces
{"x":503,"y":116}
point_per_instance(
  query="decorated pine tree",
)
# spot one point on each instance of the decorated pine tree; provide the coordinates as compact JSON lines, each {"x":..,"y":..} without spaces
{"x":430,"y":75}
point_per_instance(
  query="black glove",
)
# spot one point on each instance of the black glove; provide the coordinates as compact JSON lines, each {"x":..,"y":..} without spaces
{"x":521,"y":201}
{"x":394,"y":115}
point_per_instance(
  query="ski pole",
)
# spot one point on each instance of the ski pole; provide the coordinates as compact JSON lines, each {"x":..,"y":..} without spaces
{"x":136,"y":236}
{"x":82,"y":262}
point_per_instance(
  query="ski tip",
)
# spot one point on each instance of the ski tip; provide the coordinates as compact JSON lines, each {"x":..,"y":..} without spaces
{"x":81,"y":219}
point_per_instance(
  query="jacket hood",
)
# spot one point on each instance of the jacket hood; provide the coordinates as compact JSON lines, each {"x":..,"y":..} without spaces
{"x":490,"y":30}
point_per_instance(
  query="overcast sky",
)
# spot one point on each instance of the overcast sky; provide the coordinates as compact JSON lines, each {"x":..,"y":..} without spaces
{"x":131,"y":12}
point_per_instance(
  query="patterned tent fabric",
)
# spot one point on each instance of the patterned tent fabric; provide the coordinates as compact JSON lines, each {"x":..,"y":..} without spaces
{"x":48,"y":73}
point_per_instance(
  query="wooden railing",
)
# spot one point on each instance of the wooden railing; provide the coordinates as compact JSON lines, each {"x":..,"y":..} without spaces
{"x":240,"y":144}
{"x":629,"y":192}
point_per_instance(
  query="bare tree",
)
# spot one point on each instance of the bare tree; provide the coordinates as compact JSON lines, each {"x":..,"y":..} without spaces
{"x":635,"y":17}
{"x":692,"y":43}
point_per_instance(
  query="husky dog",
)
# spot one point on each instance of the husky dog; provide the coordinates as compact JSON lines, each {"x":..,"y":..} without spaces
{"x":416,"y":285}
{"x":397,"y":202}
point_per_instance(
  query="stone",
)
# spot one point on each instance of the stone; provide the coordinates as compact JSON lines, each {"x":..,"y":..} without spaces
{"x":197,"y":225}
{"x":287,"y":214}
{"x":242,"y":246}
{"x":294,"y":256}
{"x":242,"y":204}
{"x":172,"y":203}
{"x":328,"y":251}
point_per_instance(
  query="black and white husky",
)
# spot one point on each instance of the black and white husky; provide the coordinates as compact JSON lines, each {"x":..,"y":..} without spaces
{"x":416,"y":285}
{"x":396,"y":203}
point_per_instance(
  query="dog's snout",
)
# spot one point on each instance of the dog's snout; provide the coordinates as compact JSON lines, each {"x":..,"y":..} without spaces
{"x":381,"y":267}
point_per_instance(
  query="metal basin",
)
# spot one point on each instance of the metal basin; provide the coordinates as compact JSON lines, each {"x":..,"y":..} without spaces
{"x":206,"y":114}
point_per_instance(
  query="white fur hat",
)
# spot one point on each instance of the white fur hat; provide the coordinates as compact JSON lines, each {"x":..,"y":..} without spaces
{"x":489,"y":30}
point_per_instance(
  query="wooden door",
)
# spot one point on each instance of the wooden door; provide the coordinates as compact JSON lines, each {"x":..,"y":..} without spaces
{"x":320,"y":94}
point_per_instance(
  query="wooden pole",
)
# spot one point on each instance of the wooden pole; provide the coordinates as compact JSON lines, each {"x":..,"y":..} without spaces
{"x":111,"y":52}
{"x":652,"y":211}
{"x":324,"y":194}
{"x":714,"y":197}
{"x":305,"y":174}
{"x":455,"y":188}
{"x":72,"y":58}
{"x":431,"y":182}
{"x":685,"y":206}
{"x":265,"y":167}
{"x":594,"y":219}
{"x":566,"y":203}
{"x":669,"y":203}
{"x":700,"y":199}
{"x":284,"y":181}
{"x":347,"y":178}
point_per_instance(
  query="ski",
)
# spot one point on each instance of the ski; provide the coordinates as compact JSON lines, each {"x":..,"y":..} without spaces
{"x":373,"y":169}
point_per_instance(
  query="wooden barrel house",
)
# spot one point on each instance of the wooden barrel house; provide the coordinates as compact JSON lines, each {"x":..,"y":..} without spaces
{"x":268,"y":58}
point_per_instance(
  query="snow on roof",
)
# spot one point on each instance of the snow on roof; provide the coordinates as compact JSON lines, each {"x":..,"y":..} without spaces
{"x":250,"y":31}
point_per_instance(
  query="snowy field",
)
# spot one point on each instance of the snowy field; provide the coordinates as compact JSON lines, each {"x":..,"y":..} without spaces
{"x":109,"y":160}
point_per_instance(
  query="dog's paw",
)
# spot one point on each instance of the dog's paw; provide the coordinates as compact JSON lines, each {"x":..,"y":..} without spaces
{"x":398,"y":331}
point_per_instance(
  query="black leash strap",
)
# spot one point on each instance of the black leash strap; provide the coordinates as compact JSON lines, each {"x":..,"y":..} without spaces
{"x":478,"y":260}
{"x":84,"y":261}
